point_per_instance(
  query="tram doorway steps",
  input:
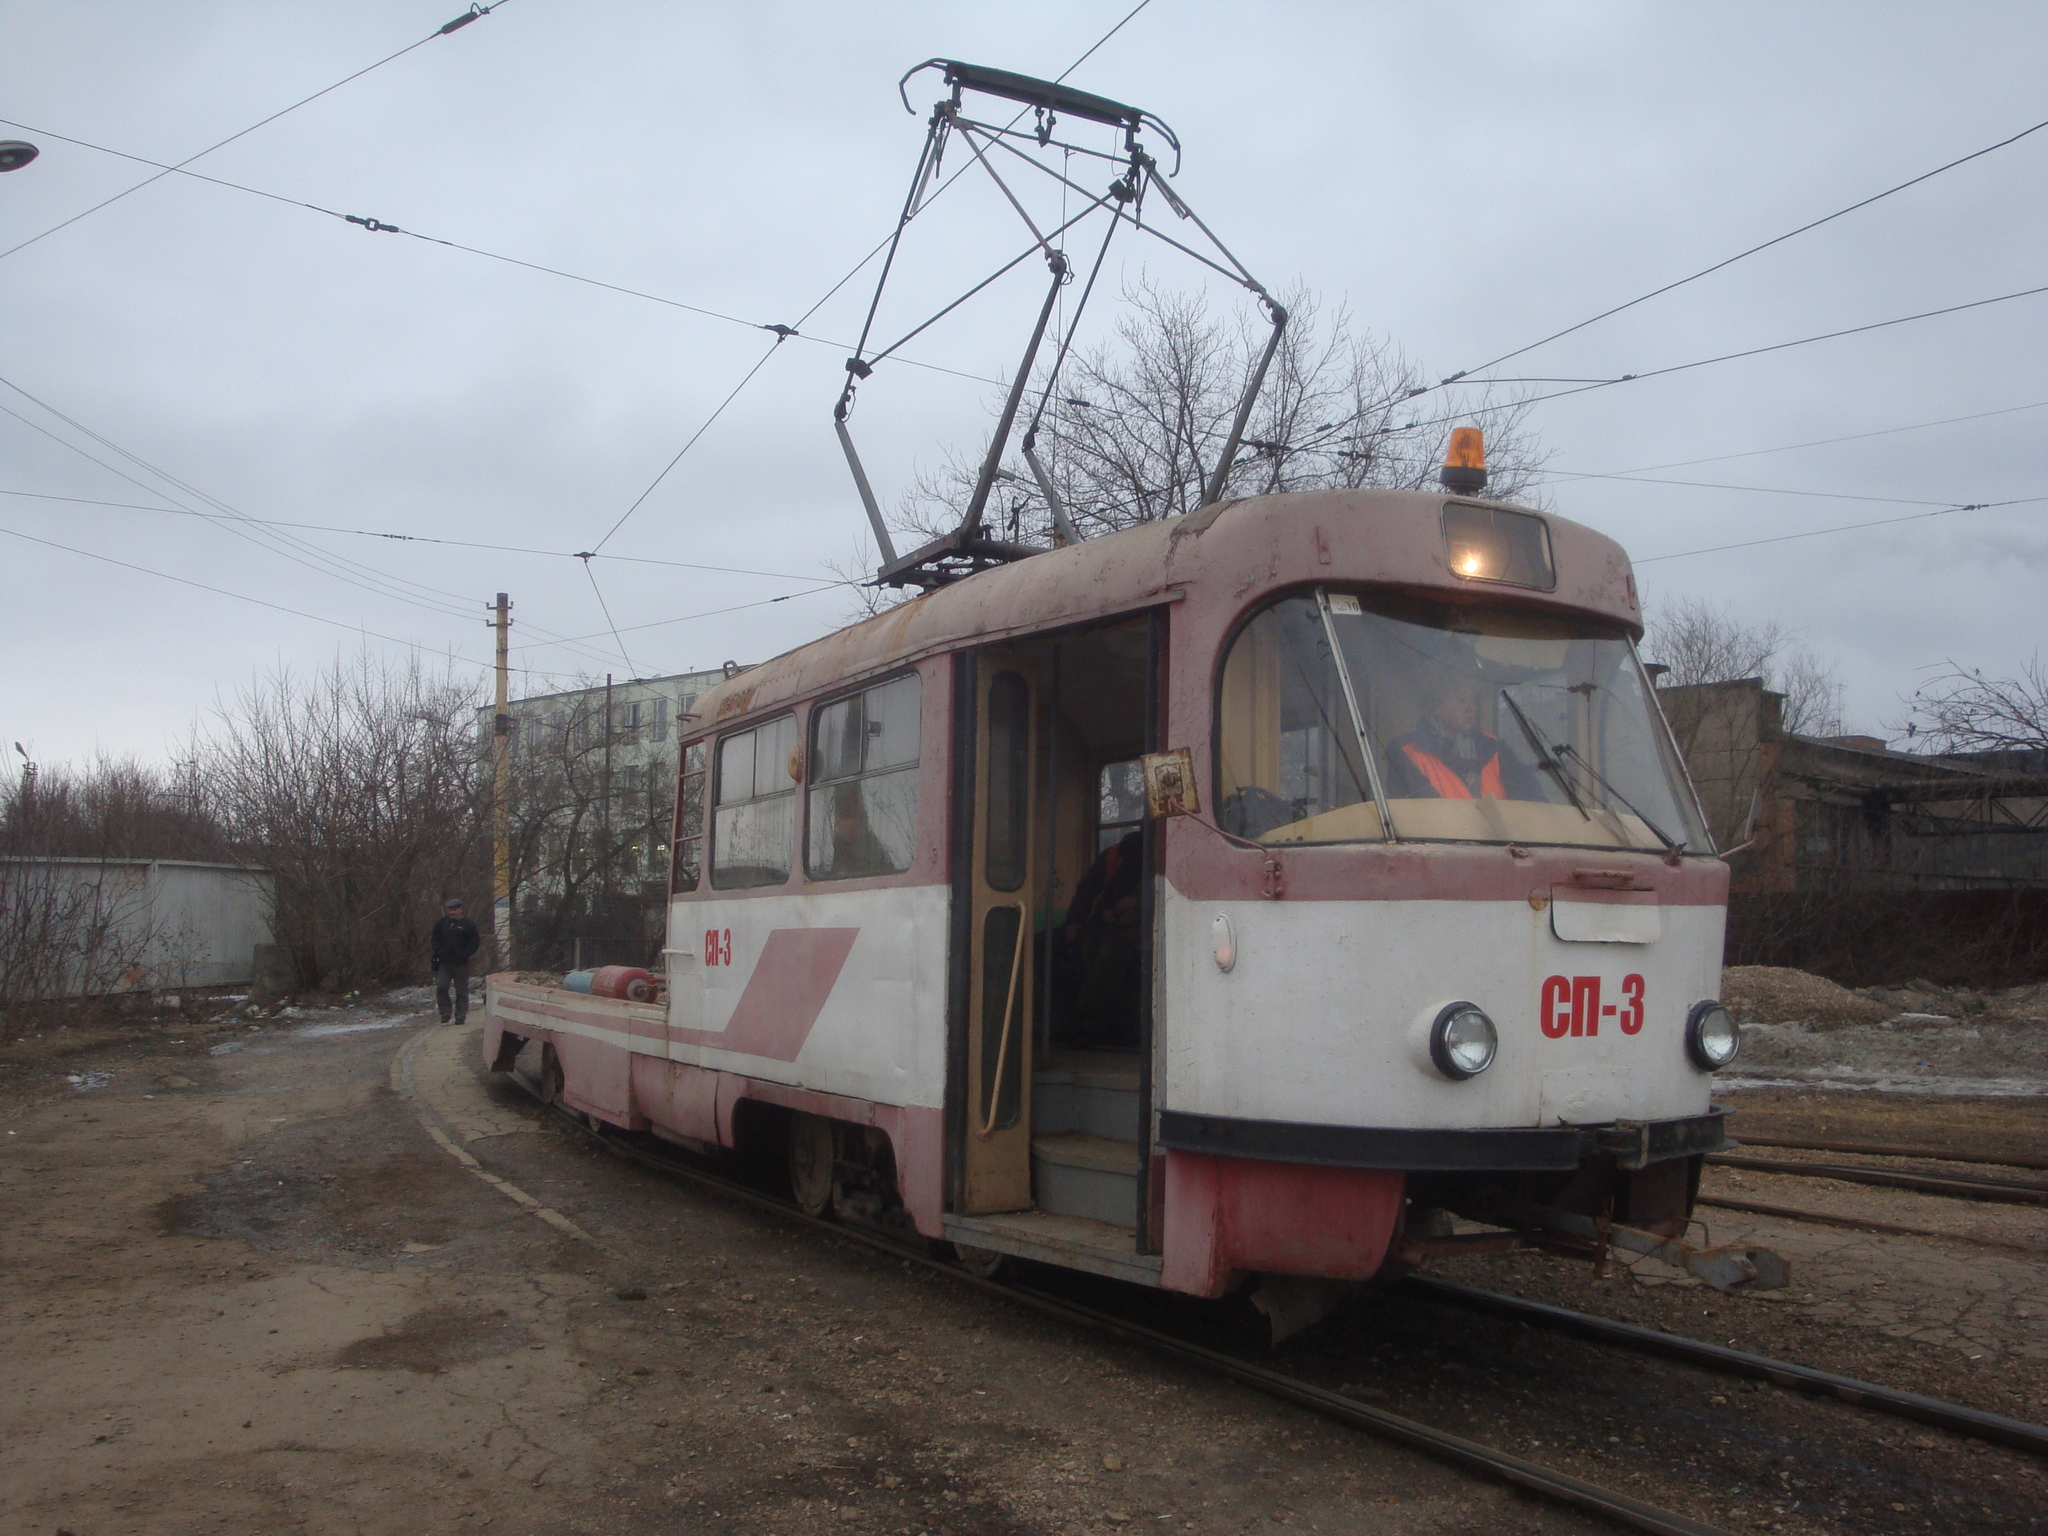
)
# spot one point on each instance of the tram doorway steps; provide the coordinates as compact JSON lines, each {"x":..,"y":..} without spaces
{"x":1073,"y":1242}
{"x":1092,"y":1092}
{"x":1081,"y":1175}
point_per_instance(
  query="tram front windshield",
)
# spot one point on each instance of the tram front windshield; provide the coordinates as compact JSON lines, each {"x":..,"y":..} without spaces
{"x":1343,"y":711}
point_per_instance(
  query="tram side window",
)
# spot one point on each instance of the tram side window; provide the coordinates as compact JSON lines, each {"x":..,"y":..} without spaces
{"x":754,"y":824}
{"x":863,"y":811}
{"x":689,"y":836}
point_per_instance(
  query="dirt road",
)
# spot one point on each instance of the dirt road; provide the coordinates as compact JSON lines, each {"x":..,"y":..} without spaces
{"x":245,"y":1288}
{"x":328,"y":1278}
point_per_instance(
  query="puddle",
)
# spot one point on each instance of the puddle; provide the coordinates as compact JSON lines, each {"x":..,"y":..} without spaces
{"x":322,"y":1031}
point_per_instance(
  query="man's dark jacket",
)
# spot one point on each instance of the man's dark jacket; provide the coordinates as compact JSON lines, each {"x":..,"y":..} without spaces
{"x":455,"y":940}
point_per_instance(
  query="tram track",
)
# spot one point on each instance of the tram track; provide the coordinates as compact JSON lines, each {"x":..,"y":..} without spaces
{"x":1954,"y":1186}
{"x":1883,"y":1149}
{"x":1470,"y":1455}
{"x":1954,"y":1417}
{"x":1861,"y":1223}
{"x":1483,"y":1460}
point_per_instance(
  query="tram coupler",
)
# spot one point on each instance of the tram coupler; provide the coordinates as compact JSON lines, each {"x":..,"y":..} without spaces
{"x":1730,"y":1267}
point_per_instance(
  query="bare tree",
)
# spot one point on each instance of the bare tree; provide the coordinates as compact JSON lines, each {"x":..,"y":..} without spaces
{"x":1136,"y":424}
{"x":1962,"y":710}
{"x":360,"y":790}
{"x":1698,"y":643}
{"x":572,"y":864}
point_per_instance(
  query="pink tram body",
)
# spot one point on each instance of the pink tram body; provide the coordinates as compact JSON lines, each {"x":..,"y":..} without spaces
{"x":1228,"y":896}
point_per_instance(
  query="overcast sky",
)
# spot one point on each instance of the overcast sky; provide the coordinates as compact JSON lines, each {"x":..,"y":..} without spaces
{"x":1464,"y":178}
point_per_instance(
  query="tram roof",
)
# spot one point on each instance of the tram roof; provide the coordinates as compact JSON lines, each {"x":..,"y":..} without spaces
{"x":1214,"y":564}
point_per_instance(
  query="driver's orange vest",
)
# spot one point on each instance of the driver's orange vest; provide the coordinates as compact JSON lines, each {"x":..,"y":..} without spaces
{"x":1447,"y":783}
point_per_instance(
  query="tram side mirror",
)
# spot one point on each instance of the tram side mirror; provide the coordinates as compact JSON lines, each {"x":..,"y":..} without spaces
{"x":1170,"y":783}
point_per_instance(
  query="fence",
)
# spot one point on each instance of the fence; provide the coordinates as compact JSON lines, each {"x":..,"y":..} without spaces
{"x":80,"y":927}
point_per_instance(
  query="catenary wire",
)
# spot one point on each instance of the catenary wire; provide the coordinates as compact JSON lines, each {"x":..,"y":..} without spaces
{"x":1818,"y":442}
{"x":606,"y":609}
{"x":709,"y":613}
{"x":241,"y":525}
{"x":1336,"y":429}
{"x":1814,"y":533}
{"x":356,"y":629}
{"x":1753,"y":250}
{"x":672,"y":463}
{"x":418,"y":538}
{"x":1775,"y":490}
{"x":240,"y":597}
{"x":783,"y":333}
{"x":236,"y":524}
{"x":474,"y":13}
{"x":380,"y":227}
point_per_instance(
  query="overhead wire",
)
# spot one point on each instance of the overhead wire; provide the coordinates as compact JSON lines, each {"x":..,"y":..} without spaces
{"x":418,"y":538}
{"x":672,"y":463}
{"x":378,"y":226}
{"x":1818,"y":442}
{"x":474,"y":13}
{"x":1335,"y":430}
{"x":1814,"y":533}
{"x":1753,"y":250}
{"x":232,"y":520}
{"x":709,"y":613}
{"x":784,"y":332}
{"x":606,"y":609}
{"x":240,"y":597}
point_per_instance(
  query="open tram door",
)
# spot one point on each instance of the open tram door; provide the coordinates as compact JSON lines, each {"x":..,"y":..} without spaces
{"x":997,"y":892}
{"x":1054,"y":866}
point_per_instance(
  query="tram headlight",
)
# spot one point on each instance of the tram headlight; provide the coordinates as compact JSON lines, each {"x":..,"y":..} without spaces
{"x":1462,"y":1041}
{"x":1712,"y":1037}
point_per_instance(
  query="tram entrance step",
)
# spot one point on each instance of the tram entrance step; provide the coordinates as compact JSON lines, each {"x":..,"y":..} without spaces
{"x":1076,"y":1174}
{"x":1091,"y":1092}
{"x":1072,"y":1241}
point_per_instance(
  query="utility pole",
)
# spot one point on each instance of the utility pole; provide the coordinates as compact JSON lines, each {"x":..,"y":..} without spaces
{"x":605,"y":869}
{"x":501,"y":811}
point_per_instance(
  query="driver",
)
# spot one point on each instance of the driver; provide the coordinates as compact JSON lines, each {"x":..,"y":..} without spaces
{"x":1448,"y":757}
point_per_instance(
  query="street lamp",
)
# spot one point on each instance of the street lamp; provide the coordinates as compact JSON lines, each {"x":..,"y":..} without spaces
{"x":15,"y":153}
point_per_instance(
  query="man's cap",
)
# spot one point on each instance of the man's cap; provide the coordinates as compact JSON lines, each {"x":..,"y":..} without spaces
{"x":451,"y":903}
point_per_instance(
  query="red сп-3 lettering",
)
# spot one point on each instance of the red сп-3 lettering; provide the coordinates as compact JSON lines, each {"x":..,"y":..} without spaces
{"x":1571,"y":1005}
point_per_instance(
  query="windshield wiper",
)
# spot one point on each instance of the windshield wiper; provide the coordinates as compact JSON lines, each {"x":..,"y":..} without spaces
{"x":1670,"y":847}
{"x":1544,"y":758}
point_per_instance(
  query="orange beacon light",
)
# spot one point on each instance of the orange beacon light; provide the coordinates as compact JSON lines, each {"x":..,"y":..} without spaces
{"x":1465,"y":464}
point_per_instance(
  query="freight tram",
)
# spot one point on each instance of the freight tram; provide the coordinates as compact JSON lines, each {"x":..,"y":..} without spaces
{"x":1233,"y":898}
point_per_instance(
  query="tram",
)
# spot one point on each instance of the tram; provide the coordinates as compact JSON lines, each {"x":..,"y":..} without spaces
{"x":1238,"y":897}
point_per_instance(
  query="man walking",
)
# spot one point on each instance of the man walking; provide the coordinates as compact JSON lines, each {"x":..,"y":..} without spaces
{"x":454,"y":939}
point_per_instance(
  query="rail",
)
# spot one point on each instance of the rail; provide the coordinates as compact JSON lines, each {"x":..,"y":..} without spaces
{"x":1547,"y":1482}
{"x":2016,"y":1433}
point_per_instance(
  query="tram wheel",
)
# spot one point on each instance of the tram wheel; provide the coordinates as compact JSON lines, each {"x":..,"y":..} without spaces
{"x":983,"y":1263}
{"x":550,"y":1076}
{"x":811,"y":1163}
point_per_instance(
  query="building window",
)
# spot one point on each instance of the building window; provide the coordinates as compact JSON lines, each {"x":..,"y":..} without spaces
{"x":754,"y":824}
{"x":659,"y":730}
{"x":863,"y":812}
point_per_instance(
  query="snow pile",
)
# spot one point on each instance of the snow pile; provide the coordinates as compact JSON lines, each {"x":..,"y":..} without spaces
{"x":1913,"y":1053}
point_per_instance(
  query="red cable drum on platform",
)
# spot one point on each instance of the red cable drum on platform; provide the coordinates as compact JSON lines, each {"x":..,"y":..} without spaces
{"x":625,"y":981}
